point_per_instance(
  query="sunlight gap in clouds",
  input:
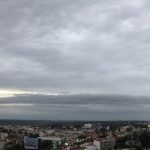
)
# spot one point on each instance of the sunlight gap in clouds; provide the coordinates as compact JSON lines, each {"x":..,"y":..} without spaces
{"x":16,"y":105}
{"x":12,"y":93}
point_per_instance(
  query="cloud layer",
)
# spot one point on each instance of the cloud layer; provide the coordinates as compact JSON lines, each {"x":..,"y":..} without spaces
{"x":75,"y":107}
{"x":75,"y":47}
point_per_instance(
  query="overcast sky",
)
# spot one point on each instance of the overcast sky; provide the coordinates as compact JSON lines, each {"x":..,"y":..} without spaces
{"x":75,"y":47}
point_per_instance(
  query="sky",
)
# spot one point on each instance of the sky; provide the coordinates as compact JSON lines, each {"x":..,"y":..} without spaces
{"x":75,"y":59}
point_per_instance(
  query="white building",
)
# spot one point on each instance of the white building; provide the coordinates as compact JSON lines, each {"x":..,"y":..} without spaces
{"x":105,"y":144}
{"x":88,"y":125}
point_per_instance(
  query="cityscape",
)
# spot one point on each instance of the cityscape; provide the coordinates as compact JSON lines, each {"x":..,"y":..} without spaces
{"x":74,"y":135}
{"x":74,"y":74}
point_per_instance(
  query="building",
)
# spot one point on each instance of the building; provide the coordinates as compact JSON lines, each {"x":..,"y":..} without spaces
{"x":91,"y":147}
{"x":88,"y":125}
{"x":104,"y":144}
{"x":55,"y":140}
{"x":2,"y":145}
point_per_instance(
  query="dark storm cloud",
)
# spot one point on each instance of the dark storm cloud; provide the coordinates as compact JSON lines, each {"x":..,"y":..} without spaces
{"x":76,"y":107}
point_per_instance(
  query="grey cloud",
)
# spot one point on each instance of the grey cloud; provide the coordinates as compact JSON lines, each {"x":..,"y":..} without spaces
{"x":76,"y":106}
{"x":84,"y":46}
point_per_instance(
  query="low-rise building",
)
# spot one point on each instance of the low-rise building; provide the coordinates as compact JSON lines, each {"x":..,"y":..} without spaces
{"x":104,"y":144}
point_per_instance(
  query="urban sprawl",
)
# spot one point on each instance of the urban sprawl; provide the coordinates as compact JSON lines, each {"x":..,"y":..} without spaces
{"x":77,"y":135}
